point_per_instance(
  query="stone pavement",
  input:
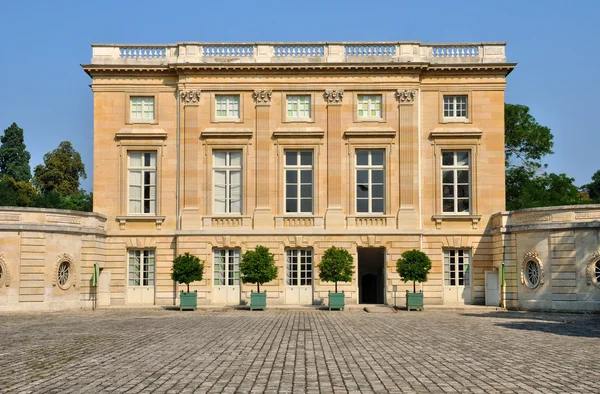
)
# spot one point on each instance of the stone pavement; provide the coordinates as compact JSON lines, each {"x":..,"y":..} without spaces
{"x":283,"y":351}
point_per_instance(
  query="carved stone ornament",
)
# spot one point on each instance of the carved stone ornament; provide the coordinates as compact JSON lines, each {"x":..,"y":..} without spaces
{"x":58,"y":268}
{"x":532,"y":256}
{"x":405,"y":95}
{"x":190,"y":96}
{"x":5,"y":277}
{"x":589,"y":271}
{"x":262,"y":96}
{"x":334,"y":96}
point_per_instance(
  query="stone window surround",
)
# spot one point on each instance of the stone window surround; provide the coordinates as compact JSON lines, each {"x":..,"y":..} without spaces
{"x":72,"y":282}
{"x":209,"y":173}
{"x":227,"y":168}
{"x":590,"y":270}
{"x":213,"y":107}
{"x":140,"y":93}
{"x":535,"y":258}
{"x":284,"y":117}
{"x":126,"y":146}
{"x":384,"y":111}
{"x":454,"y":145}
{"x":457,"y":92}
{"x":351,"y":176}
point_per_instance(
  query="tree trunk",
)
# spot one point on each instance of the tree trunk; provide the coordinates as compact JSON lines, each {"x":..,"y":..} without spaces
{"x":258,"y":287}
{"x":336,"y":287}
{"x":414,"y":286}
{"x":188,"y":285}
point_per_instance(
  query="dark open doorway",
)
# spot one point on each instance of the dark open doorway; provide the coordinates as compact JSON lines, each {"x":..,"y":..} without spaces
{"x":371,"y":275}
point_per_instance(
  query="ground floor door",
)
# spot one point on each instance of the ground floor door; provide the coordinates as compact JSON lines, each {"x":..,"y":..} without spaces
{"x":141,"y":273}
{"x":371,"y":275}
{"x":226,"y":274}
{"x":492,"y":288}
{"x":457,"y":276}
{"x":299,"y":276}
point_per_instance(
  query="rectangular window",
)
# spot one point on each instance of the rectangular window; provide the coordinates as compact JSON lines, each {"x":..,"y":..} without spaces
{"x":298,"y":107}
{"x":141,"y":267}
{"x":227,"y":106}
{"x":142,"y":182}
{"x":370,"y":176}
{"x":227,"y":180}
{"x":226,"y":266}
{"x":369,"y":106}
{"x":299,"y":267}
{"x":142,"y":109}
{"x":455,"y":107}
{"x":456,"y":267}
{"x":298,"y":181}
{"x":456,"y":182}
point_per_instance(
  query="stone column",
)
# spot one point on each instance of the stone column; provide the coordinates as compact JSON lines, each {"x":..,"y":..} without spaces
{"x":407,"y":216}
{"x":334,"y":215}
{"x":190,"y":139}
{"x":263,"y":217}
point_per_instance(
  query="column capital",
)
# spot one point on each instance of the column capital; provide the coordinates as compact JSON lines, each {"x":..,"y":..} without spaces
{"x":262,"y":97}
{"x":405,"y":96}
{"x":190,"y":96}
{"x":333,"y":97}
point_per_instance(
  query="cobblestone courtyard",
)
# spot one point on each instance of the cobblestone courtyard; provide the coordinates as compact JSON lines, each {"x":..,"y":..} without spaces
{"x":299,"y":351}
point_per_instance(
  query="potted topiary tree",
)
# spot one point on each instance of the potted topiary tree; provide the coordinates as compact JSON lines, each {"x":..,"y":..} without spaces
{"x":414,"y":265}
{"x":258,"y":267}
{"x":336,"y":266}
{"x":187,"y":268}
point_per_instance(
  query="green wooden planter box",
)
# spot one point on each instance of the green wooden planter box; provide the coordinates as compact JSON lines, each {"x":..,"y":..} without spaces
{"x":336,"y":300}
{"x":188,"y":300}
{"x":258,"y":300}
{"x":414,"y":301}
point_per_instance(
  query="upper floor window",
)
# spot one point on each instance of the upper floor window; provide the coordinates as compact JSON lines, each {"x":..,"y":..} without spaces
{"x":455,"y":107}
{"x":298,"y":107}
{"x":142,"y":182}
{"x":369,"y":106}
{"x":456,"y":182}
{"x":298,"y":181}
{"x":227,"y":106}
{"x":142,"y":109}
{"x":227,"y":169}
{"x":370,"y":175}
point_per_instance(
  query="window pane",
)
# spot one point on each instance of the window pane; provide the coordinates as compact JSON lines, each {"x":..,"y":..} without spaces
{"x":306,"y":205}
{"x":235,"y":159}
{"x":377,"y":157}
{"x":236,"y":206}
{"x":306,"y":176}
{"x":362,"y":205}
{"x":291,"y":158}
{"x":448,"y":205}
{"x":291,"y":205}
{"x":462,"y":158}
{"x":448,"y":176}
{"x":362,"y":157}
{"x":362,"y":176}
{"x":377,"y":205}
{"x":377,"y":176}
{"x":462,"y":191}
{"x":291,"y":191}
{"x":463,"y":176}
{"x":463,"y":205}
{"x":377,"y":191}
{"x":306,"y":158}
{"x":305,"y":191}
{"x":448,"y":191}
{"x":291,"y":177}
{"x":219,"y":158}
{"x":447,"y":158}
{"x":235,"y":177}
{"x":362,"y":191}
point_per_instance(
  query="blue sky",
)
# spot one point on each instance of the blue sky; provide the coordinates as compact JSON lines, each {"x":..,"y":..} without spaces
{"x":43,"y":43}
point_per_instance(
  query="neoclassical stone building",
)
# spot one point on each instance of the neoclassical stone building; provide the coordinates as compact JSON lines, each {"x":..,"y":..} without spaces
{"x":216,"y":148}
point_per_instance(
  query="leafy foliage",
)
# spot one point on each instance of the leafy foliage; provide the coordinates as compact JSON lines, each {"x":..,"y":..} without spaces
{"x":187,"y":268}
{"x":336,"y":266}
{"x":16,"y":193}
{"x":258,"y":266}
{"x":61,"y":171}
{"x":526,"y":141}
{"x":592,"y":189}
{"x":413,"y":265}
{"x":14,"y":159}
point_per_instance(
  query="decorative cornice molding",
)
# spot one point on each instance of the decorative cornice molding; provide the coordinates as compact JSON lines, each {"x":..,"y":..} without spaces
{"x":405,"y":95}
{"x":334,"y":96}
{"x":262,"y":97}
{"x":190,"y":96}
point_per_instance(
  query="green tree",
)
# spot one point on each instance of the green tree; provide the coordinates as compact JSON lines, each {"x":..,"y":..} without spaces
{"x":592,"y":189}
{"x":413,"y":265}
{"x":16,"y":193}
{"x":258,"y":266}
{"x":336,"y":266}
{"x":526,"y":142}
{"x":61,"y":171}
{"x":14,"y":159}
{"x":187,"y":268}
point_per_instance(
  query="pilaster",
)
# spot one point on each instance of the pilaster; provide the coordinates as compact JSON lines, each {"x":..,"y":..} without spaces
{"x":190,"y":215}
{"x":263,"y":216}
{"x":334,"y":215}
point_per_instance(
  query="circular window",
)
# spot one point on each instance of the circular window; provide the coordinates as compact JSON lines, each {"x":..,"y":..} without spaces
{"x":596,"y":271}
{"x":532,"y":273}
{"x":64,"y":275}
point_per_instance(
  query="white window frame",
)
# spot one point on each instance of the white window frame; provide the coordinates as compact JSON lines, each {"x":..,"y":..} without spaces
{"x":292,"y":99}
{"x":371,"y":101}
{"x":228,"y":169}
{"x":146,"y":266}
{"x":370,"y":167}
{"x":229,"y":100}
{"x":143,"y":170}
{"x":462,"y":258}
{"x":455,"y":168}
{"x":298,"y":168}
{"x":450,"y":107}
{"x":144,"y":102}
{"x":299,"y":255}
{"x":231,"y":258}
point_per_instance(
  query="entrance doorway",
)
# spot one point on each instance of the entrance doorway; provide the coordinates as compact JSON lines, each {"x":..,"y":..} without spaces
{"x":226,"y":269}
{"x":298,"y":277}
{"x":140,"y":283}
{"x":371,"y":275}
{"x":457,"y":276}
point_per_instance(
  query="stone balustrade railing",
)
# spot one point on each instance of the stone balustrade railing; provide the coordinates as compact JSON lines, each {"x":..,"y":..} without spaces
{"x":347,"y":52}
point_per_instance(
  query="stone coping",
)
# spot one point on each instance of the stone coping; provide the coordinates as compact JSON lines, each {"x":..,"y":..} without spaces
{"x":54,"y":211}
